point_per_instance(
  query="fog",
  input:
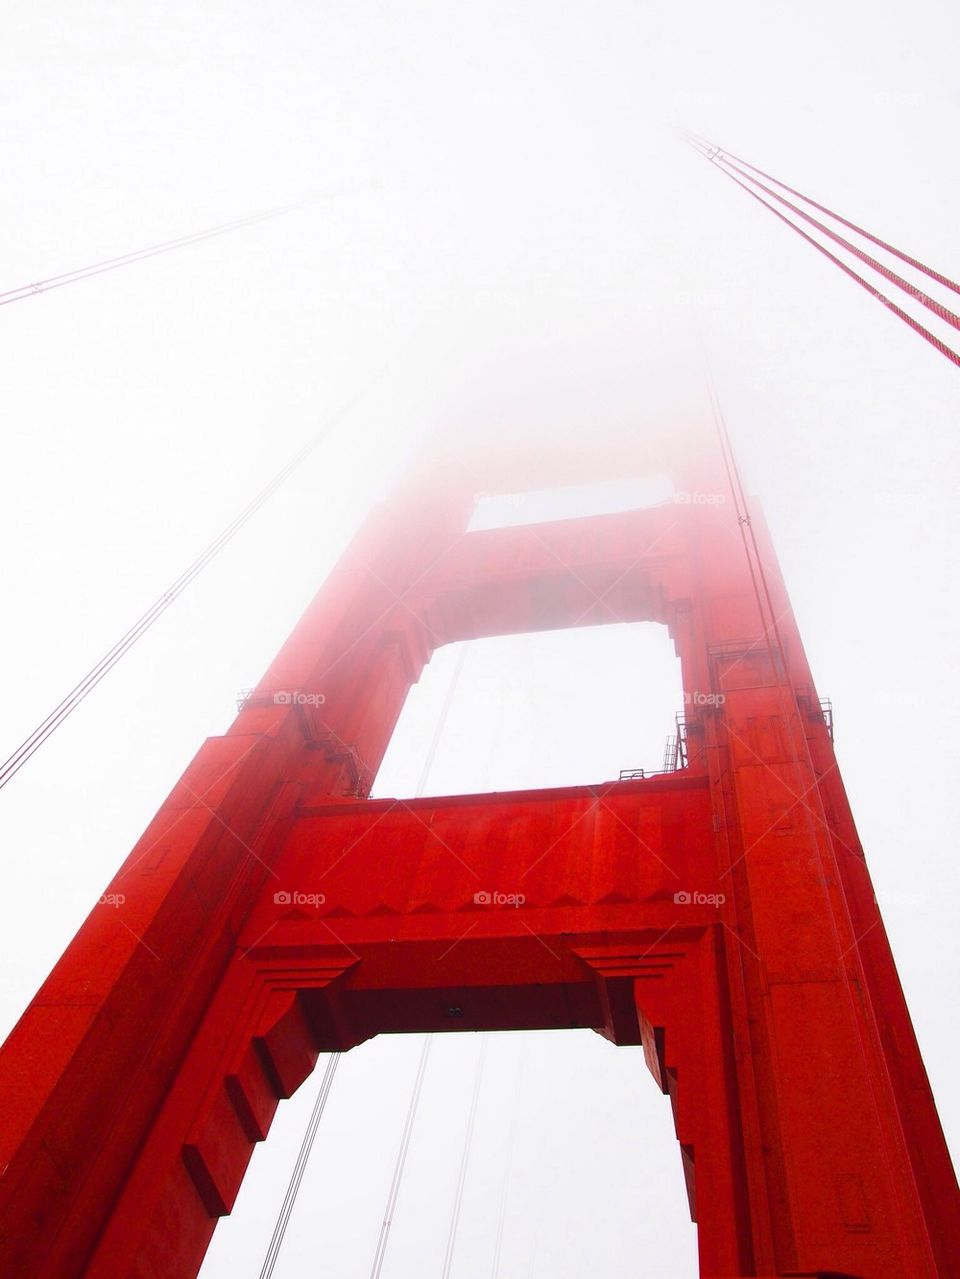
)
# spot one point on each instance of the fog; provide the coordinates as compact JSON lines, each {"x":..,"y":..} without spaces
{"x":499,"y":226}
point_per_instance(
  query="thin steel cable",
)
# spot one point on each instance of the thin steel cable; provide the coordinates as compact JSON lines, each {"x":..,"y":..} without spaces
{"x":24,"y":291}
{"x":867,"y":235}
{"x":464,"y":1161}
{"x":296,"y":1177}
{"x":32,"y":743}
{"x":742,"y":511}
{"x":508,"y":1168}
{"x":442,"y":720}
{"x":15,"y":762}
{"x":947,"y":352}
{"x":931,"y":304}
{"x":401,"y":1159}
{"x":418,"y":1082}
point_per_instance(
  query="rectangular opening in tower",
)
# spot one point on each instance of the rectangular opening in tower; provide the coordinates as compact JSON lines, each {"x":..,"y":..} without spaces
{"x":576,"y":501}
{"x":550,"y":708}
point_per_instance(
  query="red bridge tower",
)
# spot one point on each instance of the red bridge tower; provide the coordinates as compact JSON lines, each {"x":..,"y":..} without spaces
{"x":721,"y":915}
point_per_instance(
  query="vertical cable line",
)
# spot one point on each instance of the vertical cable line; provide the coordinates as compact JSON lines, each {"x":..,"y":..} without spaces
{"x":734,"y":943}
{"x":508,"y":1167}
{"x":791,"y":708}
{"x":401,"y":1159}
{"x":307,"y":1144}
{"x":741,"y":509}
{"x":394,"y":1191}
{"x":296,"y":1177}
{"x":442,"y":721}
{"x":802,"y":746}
{"x":746,"y":527}
{"x":464,"y":1161}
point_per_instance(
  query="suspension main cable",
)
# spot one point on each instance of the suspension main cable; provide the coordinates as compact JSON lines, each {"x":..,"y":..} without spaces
{"x":946,"y":351}
{"x":942,"y":312}
{"x":852,"y":226}
{"x":32,"y":743}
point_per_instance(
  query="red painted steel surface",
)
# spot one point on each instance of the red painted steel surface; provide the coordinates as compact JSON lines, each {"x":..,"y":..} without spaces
{"x":721,"y":916}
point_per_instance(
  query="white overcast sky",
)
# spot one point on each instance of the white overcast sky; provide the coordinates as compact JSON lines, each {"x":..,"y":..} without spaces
{"x":494,"y":182}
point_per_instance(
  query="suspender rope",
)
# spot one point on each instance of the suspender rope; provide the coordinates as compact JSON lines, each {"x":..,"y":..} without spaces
{"x":401,"y":1159}
{"x":508,"y":1168}
{"x":280,"y":1229}
{"x":394,"y":1190}
{"x":464,"y":1162}
{"x":442,"y":720}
